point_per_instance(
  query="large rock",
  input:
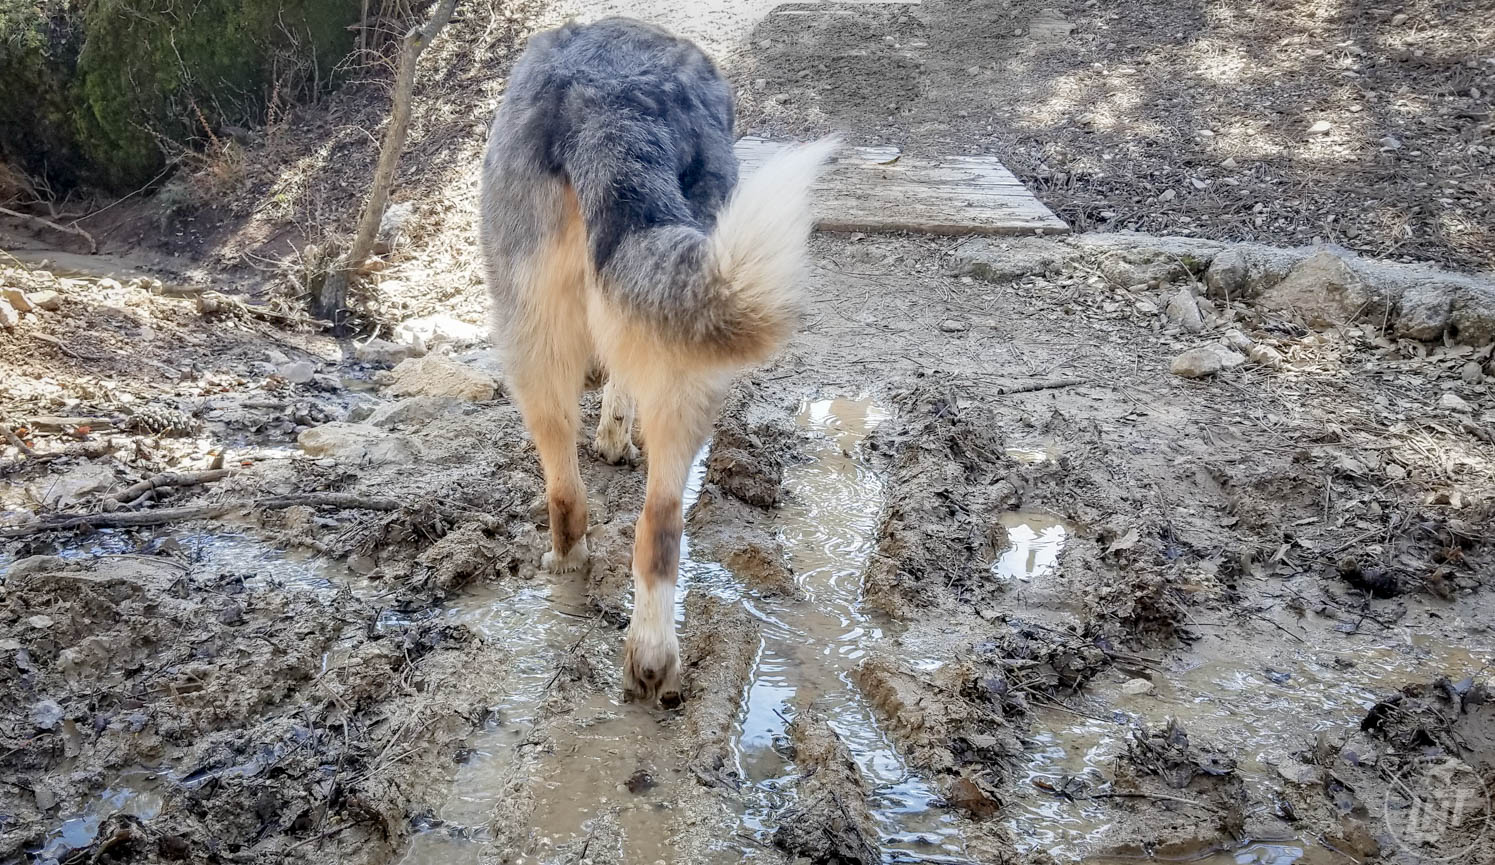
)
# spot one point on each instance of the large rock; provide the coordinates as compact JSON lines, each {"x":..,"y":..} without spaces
{"x":73,"y":487}
{"x":358,"y":444}
{"x":1424,"y":312}
{"x":412,"y":411}
{"x":1228,"y":276}
{"x":8,"y":316}
{"x":16,"y":298}
{"x":1197,"y":363}
{"x":382,"y":352}
{"x":1473,"y":319}
{"x":1005,"y":259}
{"x":434,"y":375}
{"x":1322,"y":289}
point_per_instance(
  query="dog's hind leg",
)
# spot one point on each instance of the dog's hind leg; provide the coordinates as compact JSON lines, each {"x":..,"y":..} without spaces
{"x":547,"y":351}
{"x":614,"y":443}
{"x":676,"y":417}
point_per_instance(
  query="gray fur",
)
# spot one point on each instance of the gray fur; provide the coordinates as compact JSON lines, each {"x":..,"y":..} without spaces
{"x":639,"y":123}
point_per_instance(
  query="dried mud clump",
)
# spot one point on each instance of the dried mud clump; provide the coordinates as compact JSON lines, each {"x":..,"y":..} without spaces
{"x":1030,"y":662}
{"x":947,"y":726}
{"x":1450,"y":718}
{"x":829,"y":820}
{"x":749,"y":450}
{"x":1194,"y":789}
{"x":949,"y":480}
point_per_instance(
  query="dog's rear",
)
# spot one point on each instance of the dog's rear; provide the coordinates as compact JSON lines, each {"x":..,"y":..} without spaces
{"x":613,"y":226}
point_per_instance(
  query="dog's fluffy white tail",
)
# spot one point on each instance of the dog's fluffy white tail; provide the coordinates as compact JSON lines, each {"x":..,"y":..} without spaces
{"x":758,"y":250}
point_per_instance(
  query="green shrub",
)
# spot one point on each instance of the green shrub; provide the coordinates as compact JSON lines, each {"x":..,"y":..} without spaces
{"x":148,"y":75}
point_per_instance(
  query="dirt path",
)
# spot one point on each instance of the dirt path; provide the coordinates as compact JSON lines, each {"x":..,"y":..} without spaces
{"x":970,"y":575}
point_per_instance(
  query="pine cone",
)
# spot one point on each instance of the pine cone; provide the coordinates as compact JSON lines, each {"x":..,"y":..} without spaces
{"x":163,"y":420}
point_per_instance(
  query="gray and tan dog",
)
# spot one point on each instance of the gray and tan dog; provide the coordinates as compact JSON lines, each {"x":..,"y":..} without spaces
{"x":614,"y":229}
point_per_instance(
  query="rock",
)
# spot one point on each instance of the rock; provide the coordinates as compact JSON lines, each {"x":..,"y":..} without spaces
{"x":41,"y":622}
{"x":1472,"y":373}
{"x":1266,"y":356}
{"x":1168,"y":195}
{"x":1473,"y":319}
{"x":1424,"y":312}
{"x":431,"y":330}
{"x":34,"y":565}
{"x":411,"y":411}
{"x":1238,"y":341}
{"x":1320,"y":127}
{"x":385,"y":353}
{"x":1229,"y":358}
{"x":954,"y":325}
{"x":8,"y":316}
{"x":393,"y":225}
{"x":298,"y":372}
{"x":1453,"y":402}
{"x":1300,"y":773}
{"x":433,"y":375}
{"x":46,"y":714}
{"x":1229,"y":164}
{"x":1183,"y":310}
{"x":1227,"y":276}
{"x":1196,"y":363}
{"x":1322,"y":289}
{"x":1002,"y":260}
{"x":1398,"y":19}
{"x":1146,"y":307}
{"x":231,"y":615}
{"x":357,"y":444}
{"x":1138,"y":687}
{"x":56,"y":493}
{"x":1127,"y":268}
{"x":327,"y":382}
{"x":16,"y":298}
{"x":1391,"y":142}
{"x":46,"y":299}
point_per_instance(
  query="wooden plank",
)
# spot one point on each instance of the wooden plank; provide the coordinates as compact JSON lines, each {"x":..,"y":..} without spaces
{"x":881,"y":189}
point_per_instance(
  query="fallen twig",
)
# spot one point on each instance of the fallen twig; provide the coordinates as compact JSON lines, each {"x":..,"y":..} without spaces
{"x":93,"y":246}
{"x":50,"y":423}
{"x":15,"y":440}
{"x":169,"y":479}
{"x":1043,"y":384}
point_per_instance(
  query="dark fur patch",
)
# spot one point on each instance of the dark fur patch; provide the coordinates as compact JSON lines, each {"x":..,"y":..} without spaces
{"x":665,"y":527}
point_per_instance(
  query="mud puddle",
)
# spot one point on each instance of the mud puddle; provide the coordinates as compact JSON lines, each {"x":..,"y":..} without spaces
{"x":810,"y":646}
{"x":1250,"y":697}
{"x":1034,"y":542}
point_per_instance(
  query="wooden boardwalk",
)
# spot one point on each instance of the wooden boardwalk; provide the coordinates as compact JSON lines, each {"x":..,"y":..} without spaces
{"x":881,"y":189}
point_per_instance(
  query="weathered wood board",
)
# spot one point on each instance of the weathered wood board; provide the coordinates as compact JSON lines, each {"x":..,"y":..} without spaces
{"x":881,"y":189}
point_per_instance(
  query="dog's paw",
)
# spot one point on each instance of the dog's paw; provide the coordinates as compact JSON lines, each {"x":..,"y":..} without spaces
{"x":574,"y":560}
{"x":614,"y":445}
{"x":651,"y":667}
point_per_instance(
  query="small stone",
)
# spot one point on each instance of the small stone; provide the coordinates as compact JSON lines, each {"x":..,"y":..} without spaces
{"x":16,"y":298}
{"x":231,"y":615}
{"x":1198,"y":184}
{"x":1266,"y":356}
{"x":1238,"y":341}
{"x":779,"y":98}
{"x":46,"y":299}
{"x":326,"y":382}
{"x":989,"y":614}
{"x":1168,"y":195}
{"x":954,"y":325}
{"x":8,"y":316}
{"x":385,"y":353}
{"x":1320,"y":127}
{"x":110,"y":284}
{"x":40,"y":622}
{"x":1229,"y":164}
{"x":1454,"y":402}
{"x":1138,"y":687}
{"x":1472,"y":373}
{"x":1300,"y":773}
{"x":1183,"y":310}
{"x":1391,"y":142}
{"x":1205,"y":133}
{"x":1395,"y":472}
{"x":640,"y":782}
{"x":1196,"y":363}
{"x":298,"y":372}
{"x":1398,"y":19}
{"x":760,"y":84}
{"x":46,"y":714}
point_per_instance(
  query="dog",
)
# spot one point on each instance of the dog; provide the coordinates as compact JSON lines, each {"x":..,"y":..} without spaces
{"x":614,"y":229}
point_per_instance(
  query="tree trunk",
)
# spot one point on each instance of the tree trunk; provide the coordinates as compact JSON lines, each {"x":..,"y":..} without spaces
{"x":331,"y":300}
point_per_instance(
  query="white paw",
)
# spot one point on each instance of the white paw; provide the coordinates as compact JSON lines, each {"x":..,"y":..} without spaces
{"x":614,"y":445}
{"x":573,"y":560}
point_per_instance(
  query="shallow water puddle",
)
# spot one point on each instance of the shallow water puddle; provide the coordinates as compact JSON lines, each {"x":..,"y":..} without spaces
{"x":1034,"y":541}
{"x":1250,"y":697}
{"x":810,"y":646}
{"x":137,"y":793}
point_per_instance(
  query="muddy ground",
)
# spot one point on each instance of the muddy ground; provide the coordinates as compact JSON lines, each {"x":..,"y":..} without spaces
{"x":1126,"y":613}
{"x":971,"y":574}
